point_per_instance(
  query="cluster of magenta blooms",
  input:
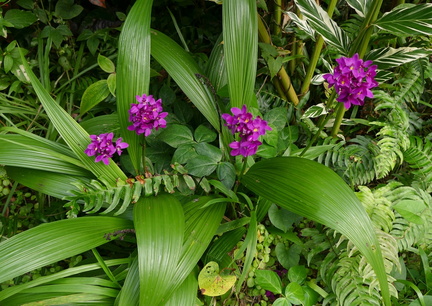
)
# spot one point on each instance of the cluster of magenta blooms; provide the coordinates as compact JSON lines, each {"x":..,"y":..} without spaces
{"x":353,"y":80}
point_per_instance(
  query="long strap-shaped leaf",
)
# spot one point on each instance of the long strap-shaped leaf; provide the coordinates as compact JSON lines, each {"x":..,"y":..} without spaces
{"x":73,"y":134}
{"x":133,"y":69}
{"x":361,"y":6}
{"x":186,"y":73}
{"x":51,"y":242}
{"x":240,"y":34}
{"x":316,"y":192}
{"x":324,"y":25}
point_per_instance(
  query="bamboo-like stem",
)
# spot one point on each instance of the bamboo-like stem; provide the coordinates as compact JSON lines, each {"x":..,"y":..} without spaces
{"x":277,"y":16}
{"x":316,"y":54}
{"x":282,"y":75}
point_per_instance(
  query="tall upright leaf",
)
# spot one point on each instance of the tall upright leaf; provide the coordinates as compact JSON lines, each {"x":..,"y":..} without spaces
{"x":240,"y":34}
{"x":320,"y":21}
{"x":312,"y":190}
{"x":186,"y":73}
{"x":52,"y":242}
{"x":133,"y":71}
{"x":159,"y":226}
{"x":73,"y":134}
{"x":408,"y":19}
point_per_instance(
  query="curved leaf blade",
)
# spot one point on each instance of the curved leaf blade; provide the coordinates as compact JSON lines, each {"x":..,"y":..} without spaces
{"x":361,"y":6}
{"x":312,"y":190}
{"x":51,"y":242}
{"x":386,"y":58}
{"x":408,"y":19}
{"x":320,"y":21}
{"x":186,"y":73}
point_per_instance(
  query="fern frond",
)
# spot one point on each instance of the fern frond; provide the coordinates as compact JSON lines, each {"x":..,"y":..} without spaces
{"x":419,"y":157}
{"x":95,"y":196}
{"x":411,"y":85}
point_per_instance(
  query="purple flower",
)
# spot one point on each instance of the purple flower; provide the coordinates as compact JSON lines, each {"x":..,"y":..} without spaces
{"x":146,"y":115}
{"x":102,"y":146}
{"x":353,"y":80}
{"x":248,"y":129}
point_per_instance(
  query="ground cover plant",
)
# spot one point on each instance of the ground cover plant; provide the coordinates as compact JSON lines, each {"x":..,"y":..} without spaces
{"x":215,"y":152}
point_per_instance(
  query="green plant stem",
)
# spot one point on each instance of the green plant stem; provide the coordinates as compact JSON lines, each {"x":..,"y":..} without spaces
{"x":360,"y":46}
{"x":316,"y":54}
{"x":143,"y":158}
{"x":105,"y":267}
{"x":283,"y":78}
{"x":277,"y":17}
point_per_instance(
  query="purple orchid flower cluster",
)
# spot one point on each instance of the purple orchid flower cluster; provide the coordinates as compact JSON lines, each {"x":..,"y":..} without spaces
{"x":103,"y":147}
{"x":353,"y":80}
{"x":145,"y":115}
{"x":248,"y":128}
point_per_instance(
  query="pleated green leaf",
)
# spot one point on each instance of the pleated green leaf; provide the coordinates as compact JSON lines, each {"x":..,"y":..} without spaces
{"x":21,"y":151}
{"x":320,"y":21}
{"x":408,"y":19}
{"x":54,"y":184}
{"x":51,"y":242}
{"x":133,"y":71}
{"x":12,"y":291}
{"x":186,"y":294}
{"x":216,"y":66}
{"x":130,"y":293}
{"x":312,"y":190}
{"x":186,"y":73}
{"x":73,"y":134}
{"x":240,"y":35}
{"x":159,"y":226}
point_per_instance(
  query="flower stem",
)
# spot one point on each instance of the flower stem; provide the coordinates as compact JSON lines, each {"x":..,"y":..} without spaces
{"x":144,"y":156}
{"x":242,"y":171}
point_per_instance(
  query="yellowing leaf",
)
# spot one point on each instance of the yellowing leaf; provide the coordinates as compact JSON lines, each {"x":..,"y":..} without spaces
{"x":211,"y":283}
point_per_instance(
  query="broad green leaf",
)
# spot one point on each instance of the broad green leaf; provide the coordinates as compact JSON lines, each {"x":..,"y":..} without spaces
{"x":52,"y":242}
{"x":208,"y":150}
{"x":213,"y":283}
{"x":386,"y":58}
{"x":226,"y":174}
{"x":183,"y":153}
{"x":282,"y":218}
{"x":201,"y":166}
{"x":112,"y":83}
{"x":20,"y":19}
{"x":411,"y":210}
{"x":73,"y":134}
{"x":176,"y":135}
{"x":186,"y":73}
{"x":282,"y":301}
{"x":297,"y":274}
{"x":408,"y":19}
{"x":320,"y":21}
{"x":204,"y":134}
{"x":361,"y":6}
{"x":268,"y":280}
{"x":105,"y":63}
{"x":294,"y":293}
{"x":240,"y":35}
{"x":66,"y":9}
{"x":93,"y":95}
{"x":159,"y":225}
{"x":316,"y":192}
{"x":54,"y":184}
{"x":133,"y":69}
